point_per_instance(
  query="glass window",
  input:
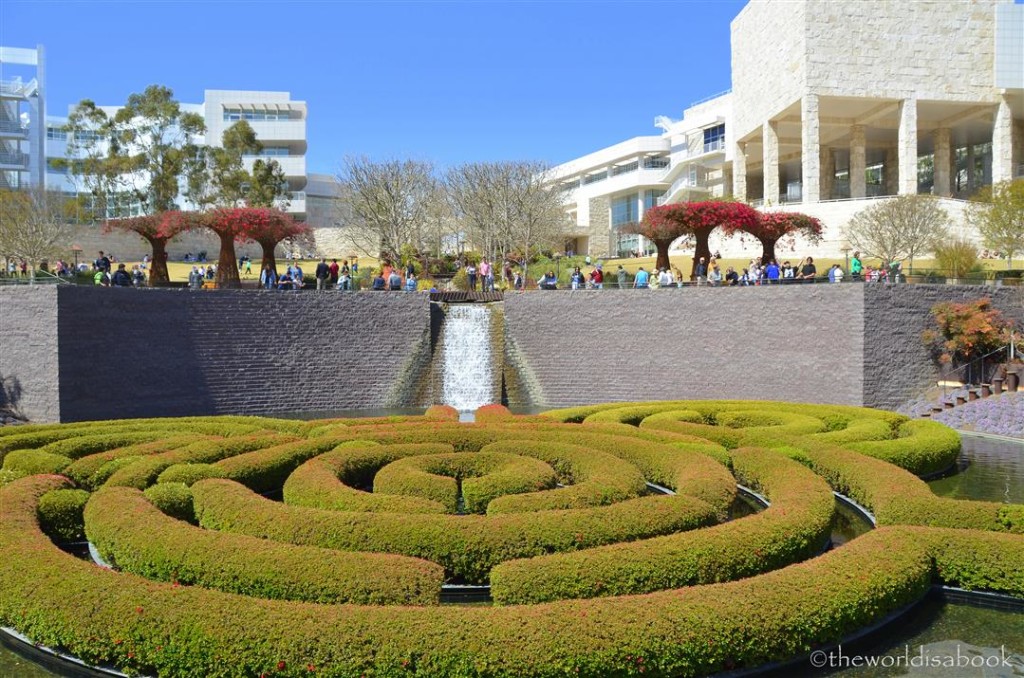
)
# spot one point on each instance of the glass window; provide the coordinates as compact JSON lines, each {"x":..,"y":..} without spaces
{"x":714,"y":138}
{"x":651,"y":197}
{"x":87,"y":135}
{"x":592,"y":178}
{"x":623,"y":169}
{"x":56,"y":134}
{"x":624,"y":210}
{"x":655,"y":163}
{"x":231,"y":114}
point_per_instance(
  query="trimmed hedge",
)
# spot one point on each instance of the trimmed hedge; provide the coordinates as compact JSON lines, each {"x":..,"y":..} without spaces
{"x":795,"y":527}
{"x":60,"y":514}
{"x":467,"y":546}
{"x":330,"y":481}
{"x":154,"y":628}
{"x":137,"y":537}
{"x":174,"y":499}
{"x":34,"y":461}
{"x":484,"y":476}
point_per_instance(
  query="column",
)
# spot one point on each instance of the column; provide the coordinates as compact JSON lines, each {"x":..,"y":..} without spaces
{"x":1002,"y":142}
{"x":943,"y":141}
{"x":811,"y":139}
{"x":739,"y":172}
{"x":890,"y":171}
{"x":907,"y":146}
{"x":828,"y":172}
{"x":858,"y":162}
{"x":970,"y":169}
{"x":771,"y":163}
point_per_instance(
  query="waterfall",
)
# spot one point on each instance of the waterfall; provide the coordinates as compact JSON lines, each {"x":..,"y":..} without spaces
{"x":469,"y":363}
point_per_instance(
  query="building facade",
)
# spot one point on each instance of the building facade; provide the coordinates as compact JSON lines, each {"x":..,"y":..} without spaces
{"x":833,"y":105}
{"x":22,"y":106}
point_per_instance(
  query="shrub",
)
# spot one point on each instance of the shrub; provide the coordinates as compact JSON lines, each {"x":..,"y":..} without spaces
{"x":60,"y":514}
{"x":174,"y":499}
{"x":30,"y":462}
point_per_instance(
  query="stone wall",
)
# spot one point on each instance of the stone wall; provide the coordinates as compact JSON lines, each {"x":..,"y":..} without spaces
{"x":28,"y":351}
{"x":136,"y":353}
{"x":799,"y":343}
{"x":897,"y":365}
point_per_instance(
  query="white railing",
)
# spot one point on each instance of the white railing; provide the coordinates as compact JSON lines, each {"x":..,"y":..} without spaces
{"x":710,"y":98}
{"x":18,"y":88}
{"x":12,"y":126}
{"x":19,"y":159}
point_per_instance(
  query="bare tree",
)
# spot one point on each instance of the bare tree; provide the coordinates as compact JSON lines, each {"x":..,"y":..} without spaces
{"x":384,"y":205}
{"x":507,"y":207}
{"x":33,"y":225}
{"x":898,"y":229}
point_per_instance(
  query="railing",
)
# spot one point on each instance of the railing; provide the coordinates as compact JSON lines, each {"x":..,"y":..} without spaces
{"x":698,"y":102}
{"x":12,"y":126}
{"x":37,"y":277}
{"x":976,"y":371}
{"x":20,"y":159}
{"x":17,"y":87}
{"x":716,"y":145}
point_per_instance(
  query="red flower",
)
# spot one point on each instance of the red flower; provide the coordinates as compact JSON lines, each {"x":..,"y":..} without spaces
{"x":281,"y":666}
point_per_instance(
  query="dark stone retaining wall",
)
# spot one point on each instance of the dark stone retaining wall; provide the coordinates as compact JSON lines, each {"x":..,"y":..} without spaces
{"x":135,"y":353}
{"x":28,"y":351}
{"x":140,"y":353}
{"x":797,"y":343}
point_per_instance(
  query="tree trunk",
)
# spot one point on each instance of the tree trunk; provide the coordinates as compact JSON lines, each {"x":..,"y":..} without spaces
{"x":227,"y":264}
{"x":663,"y":261}
{"x":158,"y":266}
{"x":701,"y":249}
{"x":767,"y":250}
{"x":268,"y":255}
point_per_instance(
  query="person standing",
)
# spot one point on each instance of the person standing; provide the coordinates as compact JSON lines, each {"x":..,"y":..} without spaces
{"x":297,"y":277}
{"x":195,"y":279}
{"x":621,"y":277}
{"x":471,"y":277}
{"x":597,"y":279}
{"x":641,"y":280}
{"x":856,"y":266}
{"x":334,"y":270}
{"x":121,"y":277}
{"x":323,"y":274}
{"x":702,"y":271}
{"x":772,"y":272}
{"x":486,"y":279}
{"x":808,"y":271}
{"x":577,"y":279}
{"x":268,"y":279}
{"x":394,"y":281}
{"x":138,"y":277}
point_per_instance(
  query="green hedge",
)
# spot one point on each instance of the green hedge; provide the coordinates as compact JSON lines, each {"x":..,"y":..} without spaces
{"x":330,"y":480}
{"x":60,"y":514}
{"x":135,"y":536}
{"x":795,"y":527}
{"x":467,"y":546}
{"x":33,"y":461}
{"x":154,"y":628}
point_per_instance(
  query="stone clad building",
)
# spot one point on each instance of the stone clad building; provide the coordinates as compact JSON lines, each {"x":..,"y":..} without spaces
{"x":830,"y":102}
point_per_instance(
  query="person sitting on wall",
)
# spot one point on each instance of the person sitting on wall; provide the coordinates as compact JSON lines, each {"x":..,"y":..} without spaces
{"x":715,"y":276}
{"x":195,"y":279}
{"x":548,"y":282}
{"x":732,"y":278}
{"x":378,"y":282}
{"x":701,"y":271}
{"x":597,"y":279}
{"x":285,"y":282}
{"x":121,"y":277}
{"x":268,"y":279}
{"x":410,"y":283}
{"x":394,"y":281}
{"x":808,"y":271}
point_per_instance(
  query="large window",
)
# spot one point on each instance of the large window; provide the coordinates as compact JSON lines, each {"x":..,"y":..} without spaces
{"x":593,"y":178}
{"x":655,"y":163}
{"x":624,"y":210}
{"x":56,"y":134}
{"x":714,"y":138}
{"x":628,"y":167}
{"x":273,"y":151}
{"x":231,"y":114}
{"x":651,"y":196}
{"x":88,"y":135}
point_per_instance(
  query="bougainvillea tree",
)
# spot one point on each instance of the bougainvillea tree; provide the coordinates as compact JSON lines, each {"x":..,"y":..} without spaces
{"x":665,"y":224}
{"x":157,"y":230}
{"x":773,"y":226}
{"x":248,"y":224}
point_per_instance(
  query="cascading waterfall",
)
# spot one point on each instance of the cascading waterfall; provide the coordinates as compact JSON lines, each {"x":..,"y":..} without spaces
{"x":468,"y":373}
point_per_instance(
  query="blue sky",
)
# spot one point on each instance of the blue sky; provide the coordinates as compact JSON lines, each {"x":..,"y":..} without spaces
{"x":444,"y":81}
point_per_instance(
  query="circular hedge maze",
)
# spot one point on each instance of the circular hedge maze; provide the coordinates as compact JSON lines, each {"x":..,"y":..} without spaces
{"x":246,"y":546}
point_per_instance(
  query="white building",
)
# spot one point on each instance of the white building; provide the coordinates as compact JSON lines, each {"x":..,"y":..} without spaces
{"x":279,"y":123}
{"x":22,"y":106}
{"x":832,"y":105}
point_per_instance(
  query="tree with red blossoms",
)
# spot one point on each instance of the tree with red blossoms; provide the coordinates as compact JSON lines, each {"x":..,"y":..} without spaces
{"x":157,"y":230}
{"x":773,"y":226}
{"x":265,"y":226}
{"x":665,"y":224}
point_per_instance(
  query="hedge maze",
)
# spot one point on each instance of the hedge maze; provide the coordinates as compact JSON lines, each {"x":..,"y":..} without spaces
{"x":247,"y":546}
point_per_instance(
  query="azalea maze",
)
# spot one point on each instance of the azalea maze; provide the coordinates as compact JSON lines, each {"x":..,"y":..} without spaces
{"x":244,"y":546}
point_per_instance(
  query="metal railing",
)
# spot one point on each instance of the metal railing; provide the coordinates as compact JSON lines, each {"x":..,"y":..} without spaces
{"x":38,"y":277}
{"x":706,"y":99}
{"x":12,"y":126}
{"x":20,"y":159}
{"x":976,"y":371}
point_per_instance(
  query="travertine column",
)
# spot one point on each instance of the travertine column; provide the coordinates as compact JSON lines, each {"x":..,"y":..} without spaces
{"x":970,"y":169}
{"x":858,"y":162}
{"x":908,"y":147}
{"x":1002,"y":143}
{"x":828,"y":172}
{"x":810,"y":162}
{"x":739,"y":172}
{"x":943,"y":139}
{"x":890,"y":171}
{"x":771,"y":162}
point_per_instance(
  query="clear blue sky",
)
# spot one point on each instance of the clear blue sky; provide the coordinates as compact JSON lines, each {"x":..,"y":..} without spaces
{"x":443,"y":81}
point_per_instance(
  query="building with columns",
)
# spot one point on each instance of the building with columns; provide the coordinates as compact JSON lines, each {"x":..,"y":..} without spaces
{"x":833,"y":105}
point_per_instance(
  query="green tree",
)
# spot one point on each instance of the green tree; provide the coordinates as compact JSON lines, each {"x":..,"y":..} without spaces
{"x":226,"y":181}
{"x":998,"y":214}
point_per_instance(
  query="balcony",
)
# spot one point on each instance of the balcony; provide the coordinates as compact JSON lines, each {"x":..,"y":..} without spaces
{"x":293,"y":165}
{"x":279,"y":130}
{"x":17,"y":89}
{"x":14,"y":161}
{"x":12,"y":129}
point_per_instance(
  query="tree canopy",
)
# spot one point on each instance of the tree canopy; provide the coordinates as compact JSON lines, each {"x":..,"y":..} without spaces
{"x":998,"y":214}
{"x":157,"y":229}
{"x":262,"y":225}
{"x":33,"y":225}
{"x":899,"y":228}
{"x":773,"y":226}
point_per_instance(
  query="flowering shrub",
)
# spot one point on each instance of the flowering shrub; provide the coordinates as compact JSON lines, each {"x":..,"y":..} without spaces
{"x":339,"y":581}
{"x":965,"y":331}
